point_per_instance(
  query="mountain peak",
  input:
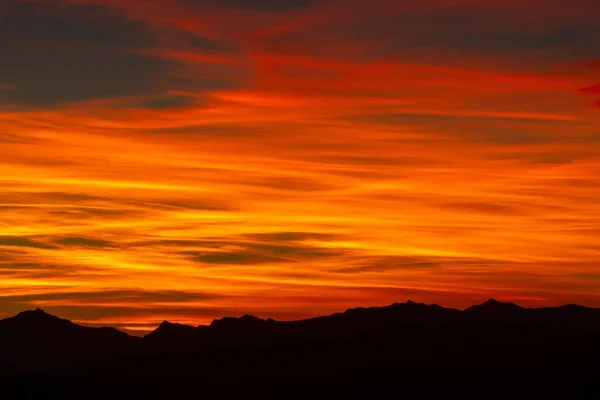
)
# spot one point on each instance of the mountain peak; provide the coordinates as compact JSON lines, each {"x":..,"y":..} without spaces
{"x":408,"y":303}
{"x":495,"y":303}
{"x":168,"y":330}
{"x":36,"y":314}
{"x":173,"y":326}
{"x":37,"y":311}
{"x":572,"y":307}
{"x":248,"y":318}
{"x":492,"y":301}
{"x":495,"y":306}
{"x":245,"y":320}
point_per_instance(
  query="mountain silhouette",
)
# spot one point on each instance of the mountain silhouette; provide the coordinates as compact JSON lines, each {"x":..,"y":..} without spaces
{"x":37,"y":341}
{"x":167,"y":331}
{"x":493,"y":306}
{"x":495,"y":347}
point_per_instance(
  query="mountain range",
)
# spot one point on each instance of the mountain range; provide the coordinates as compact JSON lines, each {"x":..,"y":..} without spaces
{"x":495,"y":346}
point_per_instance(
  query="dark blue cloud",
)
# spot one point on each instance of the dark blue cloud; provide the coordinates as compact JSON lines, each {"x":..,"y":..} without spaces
{"x":421,"y":32}
{"x":62,"y":53}
{"x":20,"y":241}
{"x":49,"y":74}
{"x":69,"y":24}
{"x":261,"y":5}
{"x":166,"y":102}
{"x":267,"y":248}
{"x":79,"y":241}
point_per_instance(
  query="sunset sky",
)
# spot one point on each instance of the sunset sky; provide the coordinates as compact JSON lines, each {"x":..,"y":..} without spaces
{"x":193,"y":159}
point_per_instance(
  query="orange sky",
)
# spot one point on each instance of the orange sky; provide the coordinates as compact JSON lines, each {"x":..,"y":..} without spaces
{"x":190,"y":159}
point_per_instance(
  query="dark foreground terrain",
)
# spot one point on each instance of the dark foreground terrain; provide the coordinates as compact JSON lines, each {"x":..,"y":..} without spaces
{"x":405,"y":350}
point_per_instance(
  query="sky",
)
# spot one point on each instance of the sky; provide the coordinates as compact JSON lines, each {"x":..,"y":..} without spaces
{"x":193,"y":159}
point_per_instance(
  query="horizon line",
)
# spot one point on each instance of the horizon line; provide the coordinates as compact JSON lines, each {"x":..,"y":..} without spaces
{"x":138,"y":332}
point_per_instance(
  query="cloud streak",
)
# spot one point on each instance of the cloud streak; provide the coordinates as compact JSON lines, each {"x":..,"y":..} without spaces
{"x":192,"y":159}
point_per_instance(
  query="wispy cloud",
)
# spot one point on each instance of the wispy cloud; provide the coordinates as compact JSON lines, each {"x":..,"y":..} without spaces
{"x":201,"y":158}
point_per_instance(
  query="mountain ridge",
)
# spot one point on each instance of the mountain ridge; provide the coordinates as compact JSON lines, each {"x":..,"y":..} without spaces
{"x":496,"y":344}
{"x":490,"y":305}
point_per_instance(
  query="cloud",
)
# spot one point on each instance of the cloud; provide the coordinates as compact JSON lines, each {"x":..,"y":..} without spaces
{"x":425,"y":117}
{"x":382,"y":264}
{"x":183,"y":243}
{"x":169,"y":101}
{"x":213,"y":130}
{"x":261,"y":5}
{"x":267,"y":248}
{"x":196,"y":204}
{"x":13,"y":138}
{"x":289,"y":236}
{"x":19,"y":241}
{"x":293,"y":184}
{"x":493,"y":128}
{"x":70,"y":52}
{"x":55,"y":75}
{"x":125,"y":296}
{"x":84,"y":24}
{"x":92,"y":212}
{"x":474,"y":207}
{"x":242,"y":257}
{"x":77,"y":241}
{"x":412,"y":31}
{"x":54,"y":196}
{"x":591,"y":90}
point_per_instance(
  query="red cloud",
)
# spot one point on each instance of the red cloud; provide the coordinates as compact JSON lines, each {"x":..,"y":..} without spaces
{"x":591,"y":90}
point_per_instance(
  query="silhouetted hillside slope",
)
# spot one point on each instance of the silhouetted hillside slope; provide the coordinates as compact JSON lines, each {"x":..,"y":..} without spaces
{"x":170,"y":335}
{"x":500,"y":347}
{"x":37,"y":341}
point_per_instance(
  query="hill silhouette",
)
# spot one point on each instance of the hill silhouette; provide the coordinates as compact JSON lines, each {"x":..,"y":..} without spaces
{"x":487,"y":349}
{"x":34,"y":341}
